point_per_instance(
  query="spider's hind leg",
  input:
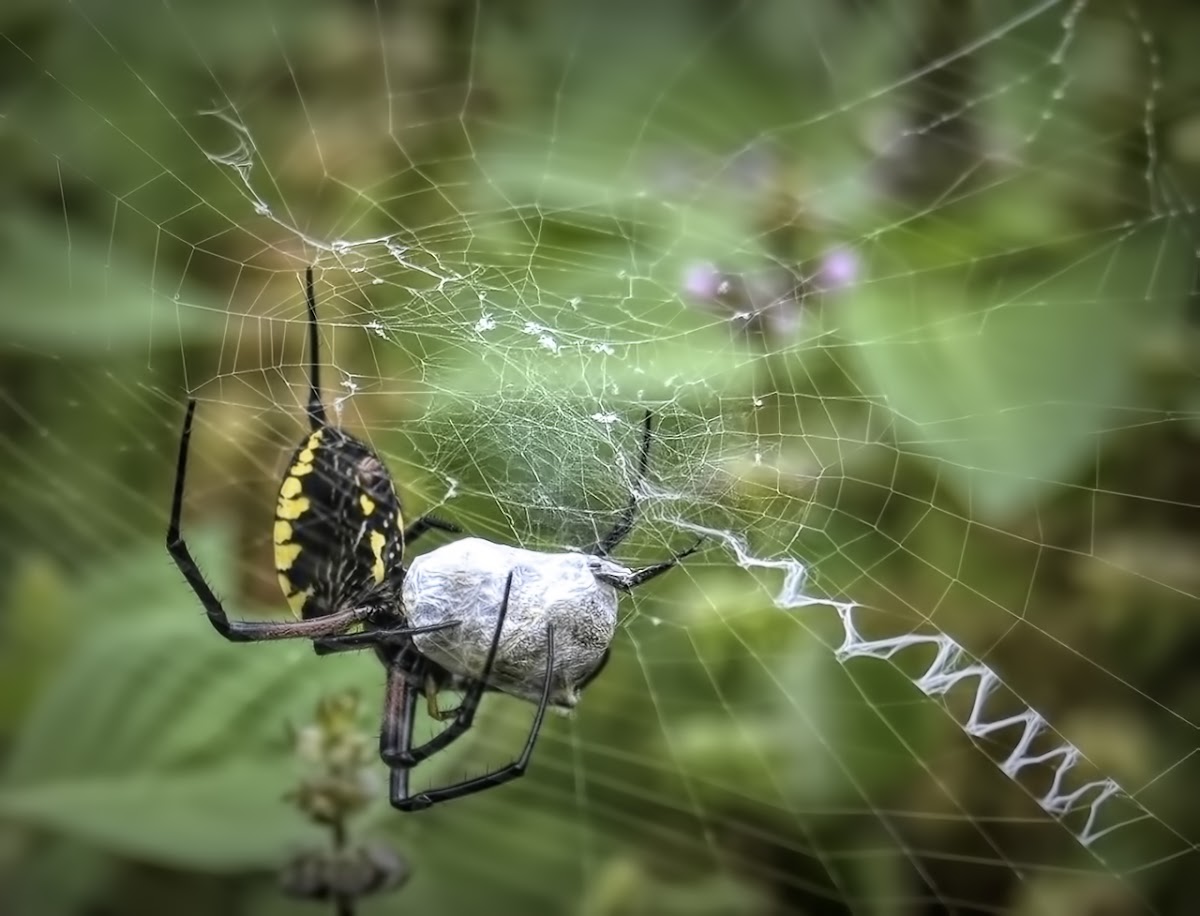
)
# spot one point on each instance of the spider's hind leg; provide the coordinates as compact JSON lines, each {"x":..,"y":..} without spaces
{"x":464,"y":718}
{"x":396,"y":741}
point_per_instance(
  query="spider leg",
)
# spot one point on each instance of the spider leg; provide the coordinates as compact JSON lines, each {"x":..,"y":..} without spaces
{"x":401,"y":799}
{"x":428,"y":523}
{"x":399,"y":714}
{"x":432,"y":708}
{"x":239,"y":630}
{"x":316,"y":410}
{"x":368,"y":639}
{"x":641,"y":576}
{"x":464,"y":716}
{"x":611,"y":541}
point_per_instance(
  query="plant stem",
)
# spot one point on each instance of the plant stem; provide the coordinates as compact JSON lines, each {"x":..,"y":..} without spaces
{"x":343,"y":904}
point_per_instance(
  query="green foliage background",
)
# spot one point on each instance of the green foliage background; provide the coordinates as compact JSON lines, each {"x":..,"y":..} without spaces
{"x":1005,"y":422}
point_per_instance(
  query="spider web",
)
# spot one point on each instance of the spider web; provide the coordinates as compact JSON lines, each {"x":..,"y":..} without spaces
{"x":887,"y":274}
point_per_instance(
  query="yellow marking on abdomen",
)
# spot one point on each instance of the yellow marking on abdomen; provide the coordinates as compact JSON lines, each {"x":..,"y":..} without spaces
{"x":304,"y":460}
{"x":306,"y":454}
{"x":292,"y":508}
{"x":285,"y":555}
{"x":295,"y":600}
{"x":368,"y":504}
{"x":377,"y":544}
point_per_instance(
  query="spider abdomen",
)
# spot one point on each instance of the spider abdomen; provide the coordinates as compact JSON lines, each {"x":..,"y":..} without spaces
{"x":464,"y":581}
{"x":338,"y":529}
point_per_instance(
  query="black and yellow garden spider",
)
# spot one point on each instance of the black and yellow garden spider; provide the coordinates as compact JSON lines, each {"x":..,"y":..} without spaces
{"x":339,"y":539}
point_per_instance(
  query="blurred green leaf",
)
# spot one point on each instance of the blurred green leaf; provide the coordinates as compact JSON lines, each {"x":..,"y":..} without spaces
{"x":59,"y":878}
{"x":1010,"y":388}
{"x":143,"y":578}
{"x":50,"y":611}
{"x":625,"y":887}
{"x":227,"y":817}
{"x":97,"y":689}
{"x":819,"y":732}
{"x":151,"y":691}
{"x":67,"y":294}
{"x":132,"y":746}
{"x":34,"y":634}
{"x":817,"y":743}
{"x":89,"y":479}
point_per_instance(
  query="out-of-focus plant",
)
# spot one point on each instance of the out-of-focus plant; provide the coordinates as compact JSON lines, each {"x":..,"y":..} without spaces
{"x":340,"y":781}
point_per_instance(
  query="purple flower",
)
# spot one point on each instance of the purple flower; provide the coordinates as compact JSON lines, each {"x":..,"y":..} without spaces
{"x":702,"y":280}
{"x":839,"y":268}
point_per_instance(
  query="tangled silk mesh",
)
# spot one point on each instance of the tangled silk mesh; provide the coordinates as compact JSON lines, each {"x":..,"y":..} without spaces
{"x":527,"y":329}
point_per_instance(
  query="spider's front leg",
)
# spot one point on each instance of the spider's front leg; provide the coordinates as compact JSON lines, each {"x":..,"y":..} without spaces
{"x":369,"y":639}
{"x":239,"y":630}
{"x":429,"y":522}
{"x":638,"y":577}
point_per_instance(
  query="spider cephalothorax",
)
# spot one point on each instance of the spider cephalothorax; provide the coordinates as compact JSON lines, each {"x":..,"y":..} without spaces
{"x":470,"y":616}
